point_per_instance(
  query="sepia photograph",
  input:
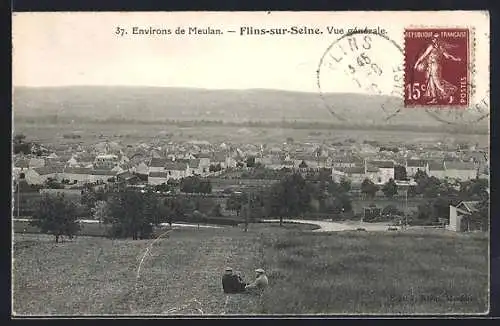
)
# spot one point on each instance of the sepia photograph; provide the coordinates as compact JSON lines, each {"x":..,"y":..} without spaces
{"x":283,"y":164}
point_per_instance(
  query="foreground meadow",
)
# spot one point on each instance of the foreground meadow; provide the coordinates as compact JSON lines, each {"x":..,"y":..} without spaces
{"x":309,"y":273}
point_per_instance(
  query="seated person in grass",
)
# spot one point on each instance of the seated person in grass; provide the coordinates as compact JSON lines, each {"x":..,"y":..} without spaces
{"x":232,"y":282}
{"x":260,"y":283}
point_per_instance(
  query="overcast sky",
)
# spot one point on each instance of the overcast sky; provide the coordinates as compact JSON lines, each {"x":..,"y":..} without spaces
{"x":54,"y":49}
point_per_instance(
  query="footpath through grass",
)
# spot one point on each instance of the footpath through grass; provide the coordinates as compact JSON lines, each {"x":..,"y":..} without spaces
{"x":309,"y":273}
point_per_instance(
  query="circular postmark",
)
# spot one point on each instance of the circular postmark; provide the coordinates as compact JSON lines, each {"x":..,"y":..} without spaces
{"x":360,"y":75}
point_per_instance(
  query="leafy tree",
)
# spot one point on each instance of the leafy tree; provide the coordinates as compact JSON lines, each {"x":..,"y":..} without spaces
{"x":57,"y":216}
{"x":172,"y":182}
{"x":412,"y":191}
{"x":483,"y":213}
{"x":164,"y":187}
{"x":250,"y":162}
{"x":52,"y":183}
{"x":345,"y":185}
{"x":195,"y":185}
{"x":400,"y":172}
{"x":152,"y":211}
{"x":391,"y":210}
{"x":132,"y":213}
{"x":216,"y":210}
{"x":100,"y":211}
{"x":215,"y":167}
{"x":174,"y":209}
{"x":368,"y":188}
{"x":431,"y":210}
{"x":429,"y":187}
{"x":333,"y":187}
{"x":390,"y":188}
{"x":419,"y":176}
{"x":324,"y":175}
{"x":88,"y":200}
{"x":235,"y":202}
{"x":476,"y":189}
{"x":288,"y":198}
{"x":20,"y":146}
{"x":341,"y":203}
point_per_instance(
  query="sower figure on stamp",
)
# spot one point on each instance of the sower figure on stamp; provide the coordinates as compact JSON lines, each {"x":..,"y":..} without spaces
{"x":430,"y":62}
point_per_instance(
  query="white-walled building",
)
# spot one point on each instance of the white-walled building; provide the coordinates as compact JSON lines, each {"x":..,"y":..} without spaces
{"x":413,"y":166}
{"x":102,"y":175}
{"x":204,"y":164}
{"x":157,"y":178}
{"x":177,"y":170}
{"x":385,"y":171}
{"x":33,"y":178}
{"x":80,"y":175}
{"x":194,"y":167}
{"x":47,"y":172}
{"x":460,"y":170}
{"x":372,"y":174}
{"x":142,"y":168}
{"x":354,"y":174}
{"x":437,"y":170}
{"x":157,"y":164}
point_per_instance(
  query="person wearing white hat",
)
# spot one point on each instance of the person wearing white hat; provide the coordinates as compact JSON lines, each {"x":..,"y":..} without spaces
{"x":261,"y":281}
{"x":232,"y":282}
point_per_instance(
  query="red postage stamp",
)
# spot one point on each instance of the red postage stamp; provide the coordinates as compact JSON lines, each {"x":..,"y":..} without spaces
{"x":437,"y":67}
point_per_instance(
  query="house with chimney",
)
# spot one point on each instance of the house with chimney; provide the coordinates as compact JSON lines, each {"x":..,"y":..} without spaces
{"x":413,"y":166}
{"x":204,"y":164}
{"x":194,"y":167}
{"x":385,"y":170}
{"x":176,"y":170}
{"x":372,"y":173}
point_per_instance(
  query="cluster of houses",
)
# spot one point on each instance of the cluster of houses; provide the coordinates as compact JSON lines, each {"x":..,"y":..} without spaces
{"x":381,"y":171}
{"x":106,"y":162}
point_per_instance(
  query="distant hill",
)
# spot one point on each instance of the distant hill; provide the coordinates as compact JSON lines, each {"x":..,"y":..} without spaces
{"x":162,"y":103}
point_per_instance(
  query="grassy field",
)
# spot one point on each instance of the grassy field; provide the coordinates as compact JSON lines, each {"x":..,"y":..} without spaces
{"x":309,"y":273}
{"x":135,"y":133}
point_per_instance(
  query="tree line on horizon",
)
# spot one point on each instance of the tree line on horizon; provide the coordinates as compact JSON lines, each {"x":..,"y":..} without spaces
{"x":291,"y":124}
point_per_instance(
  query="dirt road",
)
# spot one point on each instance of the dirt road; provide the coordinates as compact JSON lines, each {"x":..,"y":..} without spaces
{"x":327,"y":226}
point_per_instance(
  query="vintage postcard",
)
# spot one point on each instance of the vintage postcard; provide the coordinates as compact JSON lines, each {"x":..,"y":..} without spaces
{"x":250,"y":163}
